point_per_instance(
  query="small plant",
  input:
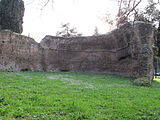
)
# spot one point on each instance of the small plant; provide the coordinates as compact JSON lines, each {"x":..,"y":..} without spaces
{"x":143,"y":81}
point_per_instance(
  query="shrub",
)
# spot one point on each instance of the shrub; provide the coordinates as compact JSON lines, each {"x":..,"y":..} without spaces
{"x":143,"y":81}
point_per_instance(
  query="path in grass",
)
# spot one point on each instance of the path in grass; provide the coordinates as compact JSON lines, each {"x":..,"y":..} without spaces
{"x":75,"y":96}
{"x":68,"y":80}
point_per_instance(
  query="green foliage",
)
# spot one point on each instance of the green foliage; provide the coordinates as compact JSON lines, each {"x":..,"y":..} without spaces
{"x":96,"y":32}
{"x":75,"y":96}
{"x":143,"y":81}
{"x":141,"y":17}
{"x":67,"y":31}
{"x":149,"y":14}
{"x":155,"y":51}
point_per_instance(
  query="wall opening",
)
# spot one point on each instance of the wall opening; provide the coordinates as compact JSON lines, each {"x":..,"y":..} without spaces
{"x":25,"y":69}
{"x":64,"y":70}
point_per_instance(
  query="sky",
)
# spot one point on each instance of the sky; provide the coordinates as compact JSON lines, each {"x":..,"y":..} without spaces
{"x":85,"y":15}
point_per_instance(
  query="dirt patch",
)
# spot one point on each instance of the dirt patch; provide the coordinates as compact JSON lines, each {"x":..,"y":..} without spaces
{"x":70,"y":81}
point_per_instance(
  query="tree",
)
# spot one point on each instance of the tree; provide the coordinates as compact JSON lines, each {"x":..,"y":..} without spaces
{"x":158,"y":39}
{"x":126,"y":9}
{"x":150,"y":13}
{"x":46,"y":2}
{"x":11,"y":15}
{"x":96,"y":31}
{"x":67,"y":31}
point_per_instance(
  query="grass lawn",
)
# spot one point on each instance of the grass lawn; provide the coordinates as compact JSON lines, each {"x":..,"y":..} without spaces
{"x":76,"y":96}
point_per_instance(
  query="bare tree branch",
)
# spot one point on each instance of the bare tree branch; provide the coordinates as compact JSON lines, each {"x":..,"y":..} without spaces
{"x":133,"y":8}
{"x":30,"y":2}
{"x":47,"y":1}
{"x":122,"y":16}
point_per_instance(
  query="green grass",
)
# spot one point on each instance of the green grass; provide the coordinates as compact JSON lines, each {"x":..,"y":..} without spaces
{"x":76,"y":96}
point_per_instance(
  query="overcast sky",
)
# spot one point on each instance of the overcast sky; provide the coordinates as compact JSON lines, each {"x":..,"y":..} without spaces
{"x":82,"y":14}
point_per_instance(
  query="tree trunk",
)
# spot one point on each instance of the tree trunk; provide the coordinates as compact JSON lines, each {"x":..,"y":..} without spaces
{"x":11,"y":15}
{"x":158,"y":39}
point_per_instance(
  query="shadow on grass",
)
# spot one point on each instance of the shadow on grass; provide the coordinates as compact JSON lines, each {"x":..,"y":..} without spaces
{"x":156,"y":82}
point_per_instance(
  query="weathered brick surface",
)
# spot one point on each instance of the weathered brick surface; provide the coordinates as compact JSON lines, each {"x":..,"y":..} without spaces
{"x":125,"y":51}
{"x":18,"y":53}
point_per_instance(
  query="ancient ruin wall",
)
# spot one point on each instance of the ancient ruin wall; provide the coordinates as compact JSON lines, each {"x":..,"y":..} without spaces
{"x":125,"y":51}
{"x":19,"y":53}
